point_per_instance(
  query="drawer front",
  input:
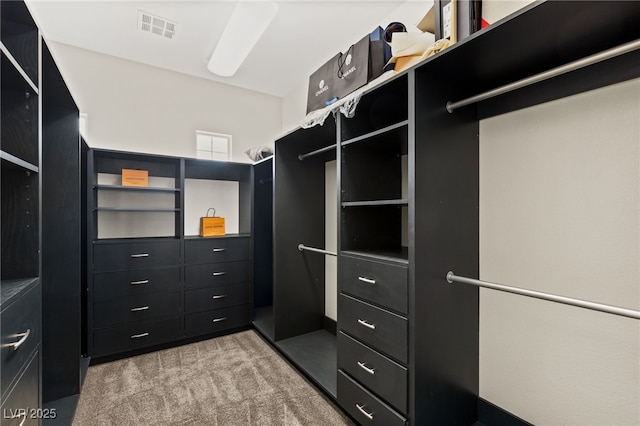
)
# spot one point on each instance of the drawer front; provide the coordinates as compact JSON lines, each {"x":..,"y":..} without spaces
{"x":138,"y":255}
{"x":135,"y":336}
{"x":378,"y":373}
{"x":20,"y":327}
{"x":216,"y":250}
{"x":206,"y":299}
{"x":217,"y":320}
{"x":363,"y":406}
{"x":216,"y":273}
{"x":379,"y":283}
{"x":136,"y":308}
{"x":111,"y":285}
{"x":23,"y":397}
{"x":380,"y":329}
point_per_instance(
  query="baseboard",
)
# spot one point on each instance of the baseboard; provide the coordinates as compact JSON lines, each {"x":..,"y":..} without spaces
{"x":492,"y":415}
{"x":330,"y":325}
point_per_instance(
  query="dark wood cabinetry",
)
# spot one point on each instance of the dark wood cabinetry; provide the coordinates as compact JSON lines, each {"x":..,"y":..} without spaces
{"x":156,"y":285}
{"x":20,"y":283}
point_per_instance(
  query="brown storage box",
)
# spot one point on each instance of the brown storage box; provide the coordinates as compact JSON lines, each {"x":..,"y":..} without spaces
{"x":211,"y":226}
{"x":132,"y":177}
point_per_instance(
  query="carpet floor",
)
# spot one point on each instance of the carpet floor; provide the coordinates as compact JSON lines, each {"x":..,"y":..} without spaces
{"x":231,"y":380}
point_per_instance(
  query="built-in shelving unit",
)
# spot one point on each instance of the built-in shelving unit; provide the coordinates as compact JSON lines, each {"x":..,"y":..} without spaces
{"x":20,"y":282}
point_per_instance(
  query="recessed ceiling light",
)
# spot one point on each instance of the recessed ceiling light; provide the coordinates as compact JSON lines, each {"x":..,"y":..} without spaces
{"x":246,"y":25}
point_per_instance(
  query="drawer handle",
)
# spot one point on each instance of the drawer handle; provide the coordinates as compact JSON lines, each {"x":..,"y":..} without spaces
{"x":24,"y":419}
{"x":219,"y":296}
{"x":367,"y":280}
{"x":363,"y":411}
{"x":23,"y":338}
{"x":217,"y":250}
{"x":366,"y":324}
{"x":367,"y":369}
{"x":141,"y":308}
{"x":140,"y":255}
{"x":219,"y":274}
{"x":137,"y":336}
{"x":219,"y":319}
{"x":139,"y":282}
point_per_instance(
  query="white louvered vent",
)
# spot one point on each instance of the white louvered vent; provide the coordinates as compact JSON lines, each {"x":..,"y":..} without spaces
{"x":156,"y":25}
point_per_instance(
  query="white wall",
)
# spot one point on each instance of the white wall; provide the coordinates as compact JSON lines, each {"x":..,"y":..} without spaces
{"x":136,"y":107}
{"x":560,"y":213}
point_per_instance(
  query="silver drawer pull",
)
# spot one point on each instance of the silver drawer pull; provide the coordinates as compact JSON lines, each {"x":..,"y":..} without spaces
{"x":362,"y":410}
{"x":367,"y":280}
{"x":140,"y":255}
{"x":139,"y":282}
{"x":137,"y":336}
{"x":219,"y":296}
{"x":219,"y":319}
{"x":141,"y":308}
{"x":23,"y":338}
{"x":24,"y":419}
{"x":366,"y":324}
{"x":365,"y":368}
{"x":217,"y":250}
{"x":219,"y":274}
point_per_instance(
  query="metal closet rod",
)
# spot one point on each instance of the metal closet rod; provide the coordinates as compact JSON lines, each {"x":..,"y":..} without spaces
{"x":317,"y":151}
{"x":302,"y":247}
{"x":554,"y":72}
{"x":615,"y":310}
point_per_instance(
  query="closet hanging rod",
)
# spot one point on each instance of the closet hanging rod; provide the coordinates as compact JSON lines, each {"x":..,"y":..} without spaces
{"x":317,"y":250}
{"x":615,"y":310}
{"x":317,"y":151}
{"x":554,"y":72}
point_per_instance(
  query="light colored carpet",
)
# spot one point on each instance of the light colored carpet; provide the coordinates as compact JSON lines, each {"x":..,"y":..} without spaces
{"x":231,"y":380}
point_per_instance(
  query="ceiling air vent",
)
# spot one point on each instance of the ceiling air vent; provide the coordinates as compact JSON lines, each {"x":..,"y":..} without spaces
{"x":153,"y":24}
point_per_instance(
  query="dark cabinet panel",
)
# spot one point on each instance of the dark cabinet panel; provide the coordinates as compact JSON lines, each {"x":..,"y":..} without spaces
{"x":135,"y":255}
{"x":135,"y":336}
{"x":209,"y":298}
{"x":217,"y":273}
{"x":384,"y":377}
{"x":217,"y":320}
{"x":382,"y":330}
{"x":136,"y":308}
{"x":376,"y":282}
{"x":110,"y":285}
{"x":221,"y":249}
{"x":20,"y":335}
{"x":363,"y":406}
{"x":24,"y":397}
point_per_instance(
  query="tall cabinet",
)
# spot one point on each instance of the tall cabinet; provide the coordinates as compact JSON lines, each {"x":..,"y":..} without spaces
{"x":20,"y":287}
{"x":152,"y":280}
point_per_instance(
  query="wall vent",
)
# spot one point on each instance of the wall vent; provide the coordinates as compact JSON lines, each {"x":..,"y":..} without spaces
{"x":153,"y":24}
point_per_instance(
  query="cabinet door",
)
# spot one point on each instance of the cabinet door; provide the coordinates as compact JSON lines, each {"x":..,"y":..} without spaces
{"x":22,"y":404}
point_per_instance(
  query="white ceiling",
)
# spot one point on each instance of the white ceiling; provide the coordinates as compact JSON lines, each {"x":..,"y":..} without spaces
{"x":303,"y":35}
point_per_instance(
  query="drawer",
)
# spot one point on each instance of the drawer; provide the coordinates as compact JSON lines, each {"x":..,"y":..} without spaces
{"x":363,"y":406}
{"x":135,"y":336}
{"x":135,"y":255}
{"x":111,"y":285}
{"x":136,"y":308}
{"x":378,"y":373}
{"x":24,"y":397}
{"x":217,"y":320}
{"x":217,"y":273}
{"x":380,"y":283}
{"x":206,"y":299}
{"x":211,"y":250}
{"x":20,"y":326}
{"x":380,"y":329}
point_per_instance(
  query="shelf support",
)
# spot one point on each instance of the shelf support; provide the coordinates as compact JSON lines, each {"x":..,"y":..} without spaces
{"x":554,"y":72}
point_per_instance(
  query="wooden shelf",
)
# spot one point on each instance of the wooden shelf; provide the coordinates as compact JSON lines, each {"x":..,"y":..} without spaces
{"x":134,"y":188}
{"x":373,"y":134}
{"x":136,"y":209}
{"x":18,"y":68}
{"x":401,"y":202}
{"x":11,"y":288}
{"x":400,"y":255}
{"x":17,"y":162}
